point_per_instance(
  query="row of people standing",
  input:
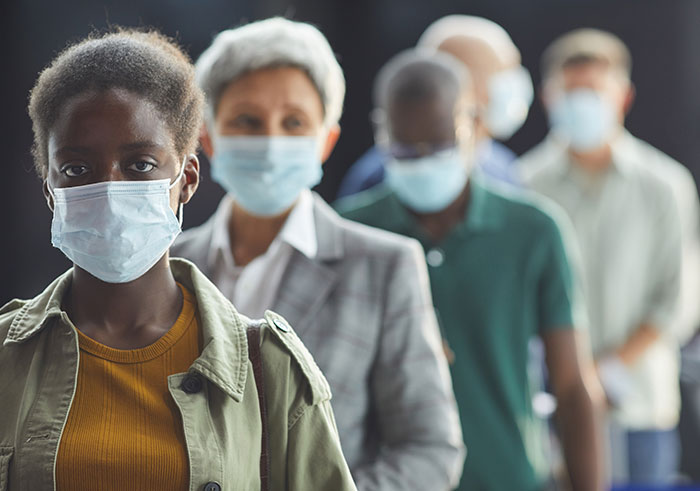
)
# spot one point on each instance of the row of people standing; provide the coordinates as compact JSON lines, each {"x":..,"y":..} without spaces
{"x":360,"y":298}
{"x":634,"y":211}
{"x":110,"y":137}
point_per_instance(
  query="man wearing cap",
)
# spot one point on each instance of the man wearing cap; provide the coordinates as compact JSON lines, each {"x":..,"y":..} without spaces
{"x":624,"y":198}
{"x":503,"y":89}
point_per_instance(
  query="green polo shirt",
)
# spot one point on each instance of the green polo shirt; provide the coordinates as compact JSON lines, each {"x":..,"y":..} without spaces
{"x":500,"y":277}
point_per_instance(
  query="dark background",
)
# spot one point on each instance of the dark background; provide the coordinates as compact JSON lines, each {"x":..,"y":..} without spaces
{"x":663,"y":36}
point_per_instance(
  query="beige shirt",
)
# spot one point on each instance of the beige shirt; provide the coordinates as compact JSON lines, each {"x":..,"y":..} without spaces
{"x":252,"y":288}
{"x":628,"y":230}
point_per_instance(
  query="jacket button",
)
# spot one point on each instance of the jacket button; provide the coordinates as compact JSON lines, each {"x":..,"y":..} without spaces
{"x":281,"y":325}
{"x":191,"y":384}
{"x":212,"y":486}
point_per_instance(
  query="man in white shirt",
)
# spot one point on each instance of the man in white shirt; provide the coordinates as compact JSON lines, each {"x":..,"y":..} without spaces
{"x":634,"y":211}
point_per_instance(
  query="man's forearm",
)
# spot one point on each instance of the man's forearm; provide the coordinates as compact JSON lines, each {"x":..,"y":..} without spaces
{"x":578,"y":421}
{"x":638,"y":342}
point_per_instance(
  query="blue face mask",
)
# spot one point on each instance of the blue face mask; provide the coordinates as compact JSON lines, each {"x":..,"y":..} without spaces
{"x":428,"y":184}
{"x":266,"y":174}
{"x":115,"y":230}
{"x":583,"y":119}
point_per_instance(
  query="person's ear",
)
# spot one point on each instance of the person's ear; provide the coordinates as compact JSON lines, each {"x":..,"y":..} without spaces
{"x":630,"y":96}
{"x":545,"y":95}
{"x":331,"y":140}
{"x":47,"y":194}
{"x":206,"y":141}
{"x":190,"y":178}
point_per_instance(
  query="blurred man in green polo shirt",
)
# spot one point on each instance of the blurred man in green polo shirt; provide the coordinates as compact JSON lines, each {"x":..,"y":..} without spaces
{"x":499,"y":273}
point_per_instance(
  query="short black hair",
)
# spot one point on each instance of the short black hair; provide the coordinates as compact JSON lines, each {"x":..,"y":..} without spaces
{"x":419,"y":75}
{"x":144,"y":62}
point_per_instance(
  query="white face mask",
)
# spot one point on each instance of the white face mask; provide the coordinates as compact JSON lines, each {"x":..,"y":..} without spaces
{"x":428,"y":184}
{"x":583,"y":118}
{"x":510,"y":96}
{"x":266,"y":174}
{"x":115,"y":230}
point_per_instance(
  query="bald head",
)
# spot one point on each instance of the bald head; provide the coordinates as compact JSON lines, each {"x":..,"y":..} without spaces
{"x":502,"y":87}
{"x":482,"y":45}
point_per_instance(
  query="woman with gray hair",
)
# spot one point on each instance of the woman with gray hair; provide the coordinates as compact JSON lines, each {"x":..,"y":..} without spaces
{"x":359,"y":297}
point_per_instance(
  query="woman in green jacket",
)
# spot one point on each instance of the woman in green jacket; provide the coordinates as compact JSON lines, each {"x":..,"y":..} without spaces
{"x":131,"y":370}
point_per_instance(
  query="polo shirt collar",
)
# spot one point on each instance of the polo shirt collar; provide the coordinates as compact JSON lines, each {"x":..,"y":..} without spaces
{"x":481,"y":214}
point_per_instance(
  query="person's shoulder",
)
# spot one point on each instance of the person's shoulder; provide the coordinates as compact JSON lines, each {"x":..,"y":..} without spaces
{"x":539,"y":159}
{"x":663,"y":165}
{"x":371,"y":236}
{"x":288,"y":363}
{"x":521,"y":207}
{"x":18,"y":316}
{"x":365,"y":205}
{"x":194,"y":241}
{"x":10,"y":312}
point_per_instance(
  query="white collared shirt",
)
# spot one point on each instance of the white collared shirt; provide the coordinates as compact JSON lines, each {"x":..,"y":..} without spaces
{"x":252,"y":288}
{"x":628,"y":230}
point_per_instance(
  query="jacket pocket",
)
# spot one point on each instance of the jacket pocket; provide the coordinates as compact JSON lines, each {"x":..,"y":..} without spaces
{"x":5,"y":457}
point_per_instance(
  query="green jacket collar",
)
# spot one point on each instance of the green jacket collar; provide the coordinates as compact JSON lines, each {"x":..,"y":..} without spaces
{"x":224,"y":357}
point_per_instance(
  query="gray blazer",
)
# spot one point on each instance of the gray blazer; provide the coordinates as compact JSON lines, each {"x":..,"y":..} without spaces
{"x":363,"y":308}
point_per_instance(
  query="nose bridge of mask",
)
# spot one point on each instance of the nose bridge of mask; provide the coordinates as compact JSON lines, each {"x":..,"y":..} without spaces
{"x":265,"y":174}
{"x":171,"y":185}
{"x":267,"y":153}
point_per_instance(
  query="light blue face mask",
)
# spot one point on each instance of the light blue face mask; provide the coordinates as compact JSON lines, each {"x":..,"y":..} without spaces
{"x":583,"y":119}
{"x":428,"y":184}
{"x":510,"y":96}
{"x":266,"y":174}
{"x":115,"y":230}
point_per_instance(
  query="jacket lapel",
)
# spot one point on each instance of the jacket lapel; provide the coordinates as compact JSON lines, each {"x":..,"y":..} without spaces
{"x":304,"y":289}
{"x":307,"y":283}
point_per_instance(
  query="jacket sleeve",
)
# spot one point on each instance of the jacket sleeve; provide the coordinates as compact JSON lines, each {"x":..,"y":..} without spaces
{"x":314,"y":457}
{"x":416,"y":414}
{"x":299,"y":413}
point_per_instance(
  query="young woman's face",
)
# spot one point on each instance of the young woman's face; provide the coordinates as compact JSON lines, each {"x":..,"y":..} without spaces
{"x":112,"y":135}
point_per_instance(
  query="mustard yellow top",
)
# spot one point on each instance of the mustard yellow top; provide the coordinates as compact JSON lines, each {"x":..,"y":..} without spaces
{"x":124,"y":430}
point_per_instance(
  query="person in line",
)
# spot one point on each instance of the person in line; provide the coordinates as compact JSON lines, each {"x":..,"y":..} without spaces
{"x":503,"y":90}
{"x":499,"y":272}
{"x":131,"y":370}
{"x":619,"y":193}
{"x":359,"y":297}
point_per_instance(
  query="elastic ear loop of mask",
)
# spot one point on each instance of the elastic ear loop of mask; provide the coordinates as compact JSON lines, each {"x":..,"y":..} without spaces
{"x":179,"y":176}
{"x":53,"y":197}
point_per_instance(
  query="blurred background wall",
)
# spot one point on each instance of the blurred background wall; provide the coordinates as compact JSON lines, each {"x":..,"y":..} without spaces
{"x":663,"y":36}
